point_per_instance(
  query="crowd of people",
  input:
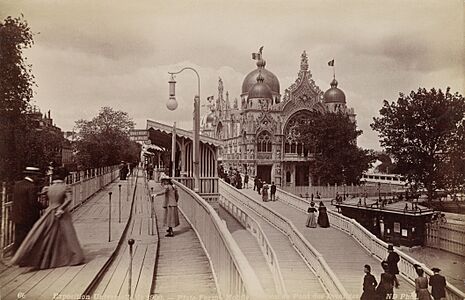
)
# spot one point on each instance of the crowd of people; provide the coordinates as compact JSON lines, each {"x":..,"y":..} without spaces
{"x":372,"y":290}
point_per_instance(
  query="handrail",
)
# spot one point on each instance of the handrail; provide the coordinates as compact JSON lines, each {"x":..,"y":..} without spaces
{"x":233,"y":273}
{"x":315,"y":260}
{"x":371,"y":243}
{"x":251,"y":225}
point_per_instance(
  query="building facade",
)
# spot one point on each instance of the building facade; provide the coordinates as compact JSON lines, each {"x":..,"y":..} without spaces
{"x":259,"y":129}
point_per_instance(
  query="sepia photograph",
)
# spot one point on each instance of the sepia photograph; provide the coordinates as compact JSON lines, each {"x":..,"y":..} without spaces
{"x":232,"y":149}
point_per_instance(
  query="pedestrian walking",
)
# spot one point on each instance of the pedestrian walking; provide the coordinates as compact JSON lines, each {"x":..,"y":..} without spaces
{"x":26,"y":205}
{"x":255,"y":183}
{"x":246,"y":181}
{"x":170,"y":204}
{"x":385,"y":289}
{"x":392,"y":260}
{"x":52,"y":241}
{"x":273,"y":192}
{"x":265,"y":192}
{"x":311,"y":219}
{"x":369,"y":284}
{"x":438,"y":285}
{"x":323,"y":220}
{"x":259,"y":186}
{"x":421,"y":285}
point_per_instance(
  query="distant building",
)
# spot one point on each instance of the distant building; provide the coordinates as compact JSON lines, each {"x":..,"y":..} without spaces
{"x":259,"y":129}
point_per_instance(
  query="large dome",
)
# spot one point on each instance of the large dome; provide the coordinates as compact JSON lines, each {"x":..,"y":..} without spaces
{"x":334,"y":94}
{"x":268,"y":78}
{"x":260,"y":89}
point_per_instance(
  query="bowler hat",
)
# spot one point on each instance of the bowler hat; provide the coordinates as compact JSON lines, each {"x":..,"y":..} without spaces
{"x":390,"y":247}
{"x":436,"y":270}
{"x":32,"y":171}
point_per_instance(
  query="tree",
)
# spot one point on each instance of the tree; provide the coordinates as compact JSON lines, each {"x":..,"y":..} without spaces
{"x":423,"y":131}
{"x":16,"y":82}
{"x":332,"y":139}
{"x":105,"y":139}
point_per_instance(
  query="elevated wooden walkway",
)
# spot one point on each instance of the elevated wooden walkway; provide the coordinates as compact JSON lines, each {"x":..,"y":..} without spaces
{"x":345,"y":256}
{"x":183,"y":268}
{"x":91,"y":223}
{"x":300,"y":281}
{"x":251,"y":249}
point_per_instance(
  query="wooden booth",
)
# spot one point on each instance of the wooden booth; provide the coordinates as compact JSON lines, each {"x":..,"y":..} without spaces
{"x":400,"y":222}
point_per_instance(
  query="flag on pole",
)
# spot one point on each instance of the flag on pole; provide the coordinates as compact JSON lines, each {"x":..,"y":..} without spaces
{"x":331,"y":63}
{"x":210,"y":98}
{"x":255,"y":56}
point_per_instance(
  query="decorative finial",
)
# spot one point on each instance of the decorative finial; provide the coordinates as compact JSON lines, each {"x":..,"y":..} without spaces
{"x":334,"y":82}
{"x":304,"y":62}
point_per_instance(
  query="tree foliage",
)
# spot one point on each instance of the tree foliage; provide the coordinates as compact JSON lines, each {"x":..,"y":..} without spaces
{"x":423,"y":131}
{"x":332,"y":138}
{"x":104,"y":140}
{"x":16,"y":83}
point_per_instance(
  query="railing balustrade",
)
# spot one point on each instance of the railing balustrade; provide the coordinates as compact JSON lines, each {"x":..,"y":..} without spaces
{"x":314,"y":259}
{"x":370,"y":242}
{"x":233,"y":274}
{"x":83,"y":185}
{"x":256,"y":230}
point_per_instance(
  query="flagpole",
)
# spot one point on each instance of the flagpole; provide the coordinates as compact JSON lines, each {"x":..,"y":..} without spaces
{"x":334,"y":70}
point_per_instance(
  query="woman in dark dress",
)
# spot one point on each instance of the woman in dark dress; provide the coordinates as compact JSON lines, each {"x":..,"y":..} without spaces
{"x":385,"y":289}
{"x":323,"y":220}
{"x":369,"y":285}
{"x":53,"y":241}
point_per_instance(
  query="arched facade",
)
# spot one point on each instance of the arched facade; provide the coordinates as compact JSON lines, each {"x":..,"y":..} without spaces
{"x":259,"y":136}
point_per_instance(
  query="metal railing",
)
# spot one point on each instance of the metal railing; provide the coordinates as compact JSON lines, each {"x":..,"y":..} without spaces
{"x":256,"y":231}
{"x":371,"y":243}
{"x":83,"y":185}
{"x":315,"y":260}
{"x":233,"y":274}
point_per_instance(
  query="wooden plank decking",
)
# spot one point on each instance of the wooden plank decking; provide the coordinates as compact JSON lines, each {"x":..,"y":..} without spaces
{"x":115,"y":282}
{"x":251,"y":249}
{"x":182,"y":270}
{"x":344,"y":255}
{"x":300,"y":281}
{"x":91,"y":223}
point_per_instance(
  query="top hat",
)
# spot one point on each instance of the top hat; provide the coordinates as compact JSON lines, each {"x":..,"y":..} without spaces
{"x":32,"y":171}
{"x":390,"y":247}
{"x":435,"y":270}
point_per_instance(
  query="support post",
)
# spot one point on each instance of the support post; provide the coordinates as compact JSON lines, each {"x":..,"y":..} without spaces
{"x":131,"y":243}
{"x":119,"y":202}
{"x":109,"y":217}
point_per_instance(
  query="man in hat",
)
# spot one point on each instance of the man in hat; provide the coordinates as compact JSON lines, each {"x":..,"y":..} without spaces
{"x":392,"y":260}
{"x":26,"y":207}
{"x":438,"y":285}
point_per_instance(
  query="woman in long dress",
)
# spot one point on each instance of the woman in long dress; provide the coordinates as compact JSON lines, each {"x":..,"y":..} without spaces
{"x":385,"y":289}
{"x":421,"y":285}
{"x":323,"y":220}
{"x":311,"y":219}
{"x":52,"y":241}
{"x":265,"y":192}
{"x":170,"y":204}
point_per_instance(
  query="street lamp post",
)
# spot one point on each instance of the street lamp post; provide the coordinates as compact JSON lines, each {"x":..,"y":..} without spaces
{"x":172,"y":105}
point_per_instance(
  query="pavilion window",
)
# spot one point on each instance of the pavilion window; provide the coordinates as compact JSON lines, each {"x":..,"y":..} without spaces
{"x":287,"y":147}
{"x":293,"y":148}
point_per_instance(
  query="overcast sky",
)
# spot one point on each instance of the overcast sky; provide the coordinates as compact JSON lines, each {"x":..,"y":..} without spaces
{"x":88,"y":54}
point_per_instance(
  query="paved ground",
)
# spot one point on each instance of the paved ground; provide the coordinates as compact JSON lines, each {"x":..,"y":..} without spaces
{"x":91,"y":222}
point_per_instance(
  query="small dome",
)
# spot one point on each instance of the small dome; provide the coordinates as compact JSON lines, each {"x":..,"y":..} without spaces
{"x":334,"y":94}
{"x":268,"y":77}
{"x":260,"y":89}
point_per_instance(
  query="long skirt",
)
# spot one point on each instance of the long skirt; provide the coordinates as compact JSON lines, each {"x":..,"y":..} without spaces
{"x":51,"y":243}
{"x":323,"y":220}
{"x":171,"y":217}
{"x":311,"y":220}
